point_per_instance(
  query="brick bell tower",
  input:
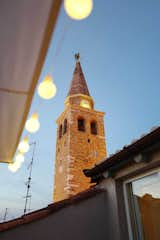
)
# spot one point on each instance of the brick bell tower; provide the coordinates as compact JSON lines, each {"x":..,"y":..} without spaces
{"x":80,"y":138}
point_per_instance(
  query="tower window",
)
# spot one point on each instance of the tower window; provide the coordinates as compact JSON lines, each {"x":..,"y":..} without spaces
{"x":65,"y":126}
{"x":60,"y":131}
{"x":81,"y":124}
{"x":94,"y":127}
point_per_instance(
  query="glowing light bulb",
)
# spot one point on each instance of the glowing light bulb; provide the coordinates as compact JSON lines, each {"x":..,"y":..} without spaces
{"x":32,"y":125}
{"x":78,"y":9}
{"x":23,"y":146}
{"x":13,"y":167}
{"x":19,"y":157}
{"x":47,"y":89}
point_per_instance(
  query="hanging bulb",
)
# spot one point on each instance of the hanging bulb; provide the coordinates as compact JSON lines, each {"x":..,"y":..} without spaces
{"x":13,"y":167}
{"x":78,"y":9}
{"x":23,"y":146}
{"x":32,"y":125}
{"x":47,"y":89}
{"x":19,"y":157}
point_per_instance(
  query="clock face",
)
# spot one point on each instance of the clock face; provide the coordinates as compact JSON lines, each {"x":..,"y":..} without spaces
{"x":85,"y":104}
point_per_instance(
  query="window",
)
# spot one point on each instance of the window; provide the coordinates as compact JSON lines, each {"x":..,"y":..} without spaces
{"x":144,"y":207}
{"x":81,"y":124}
{"x":93,"y":127}
{"x":65,"y":126}
{"x":60,"y":131}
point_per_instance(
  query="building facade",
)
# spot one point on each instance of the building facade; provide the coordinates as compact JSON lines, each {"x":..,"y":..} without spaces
{"x":80,"y":138}
{"x":124,"y":204}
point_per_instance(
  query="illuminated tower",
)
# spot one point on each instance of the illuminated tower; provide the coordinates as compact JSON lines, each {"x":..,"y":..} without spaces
{"x":80,"y":138}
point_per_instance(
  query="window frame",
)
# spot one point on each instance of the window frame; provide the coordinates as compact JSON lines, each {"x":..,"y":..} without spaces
{"x":65,"y":126}
{"x":135,"y":231}
{"x":81,"y":129}
{"x":94,"y":130}
{"x":60,"y":131}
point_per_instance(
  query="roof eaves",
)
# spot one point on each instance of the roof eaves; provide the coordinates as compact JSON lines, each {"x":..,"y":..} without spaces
{"x":124,"y":155}
{"x":42,"y":54}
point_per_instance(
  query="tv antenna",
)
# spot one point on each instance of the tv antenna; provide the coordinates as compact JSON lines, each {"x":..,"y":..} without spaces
{"x":28,"y":184}
{"x":5,"y":215}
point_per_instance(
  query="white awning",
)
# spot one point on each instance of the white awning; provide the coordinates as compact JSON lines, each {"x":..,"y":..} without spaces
{"x":25,"y":31}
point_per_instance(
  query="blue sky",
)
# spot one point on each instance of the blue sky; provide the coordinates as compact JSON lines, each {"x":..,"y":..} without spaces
{"x":120,"y":54}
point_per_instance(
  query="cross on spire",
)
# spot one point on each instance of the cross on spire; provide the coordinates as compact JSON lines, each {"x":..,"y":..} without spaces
{"x":77,"y":57}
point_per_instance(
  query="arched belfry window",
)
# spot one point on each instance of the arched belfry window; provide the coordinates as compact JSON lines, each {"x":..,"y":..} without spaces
{"x":60,"y":131}
{"x":65,"y":126}
{"x":81,"y":124}
{"x":94,"y":127}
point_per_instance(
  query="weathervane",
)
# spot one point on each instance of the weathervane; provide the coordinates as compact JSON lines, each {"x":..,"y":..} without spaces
{"x":77,"y":57}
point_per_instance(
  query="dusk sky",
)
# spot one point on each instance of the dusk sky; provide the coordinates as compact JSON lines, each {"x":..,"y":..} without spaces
{"x":119,"y":45}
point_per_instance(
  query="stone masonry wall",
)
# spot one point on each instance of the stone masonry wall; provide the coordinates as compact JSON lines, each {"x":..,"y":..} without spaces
{"x":77,"y":150}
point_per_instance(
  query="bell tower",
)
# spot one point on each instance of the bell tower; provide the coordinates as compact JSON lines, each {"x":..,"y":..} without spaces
{"x":80,"y":138}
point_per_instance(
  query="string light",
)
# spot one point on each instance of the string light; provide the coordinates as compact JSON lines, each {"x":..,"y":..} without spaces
{"x":23,"y":146}
{"x":13,"y":167}
{"x":78,"y":9}
{"x":32,"y":125}
{"x":19,"y":157}
{"x":47,"y":88}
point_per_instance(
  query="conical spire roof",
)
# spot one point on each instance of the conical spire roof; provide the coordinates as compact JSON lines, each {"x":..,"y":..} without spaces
{"x":78,"y":83}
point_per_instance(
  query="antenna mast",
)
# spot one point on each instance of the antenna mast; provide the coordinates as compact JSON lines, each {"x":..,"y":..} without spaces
{"x":28,"y":195}
{"x":5,"y":215}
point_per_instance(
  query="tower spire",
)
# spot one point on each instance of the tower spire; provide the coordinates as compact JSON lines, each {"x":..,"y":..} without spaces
{"x":78,"y":83}
{"x":80,"y":138}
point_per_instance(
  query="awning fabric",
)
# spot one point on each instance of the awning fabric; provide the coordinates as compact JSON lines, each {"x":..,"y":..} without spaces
{"x":26,"y":27}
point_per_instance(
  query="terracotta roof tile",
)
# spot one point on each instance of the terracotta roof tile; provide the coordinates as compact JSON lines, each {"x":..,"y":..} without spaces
{"x":123,"y":155}
{"x":50,"y":209}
